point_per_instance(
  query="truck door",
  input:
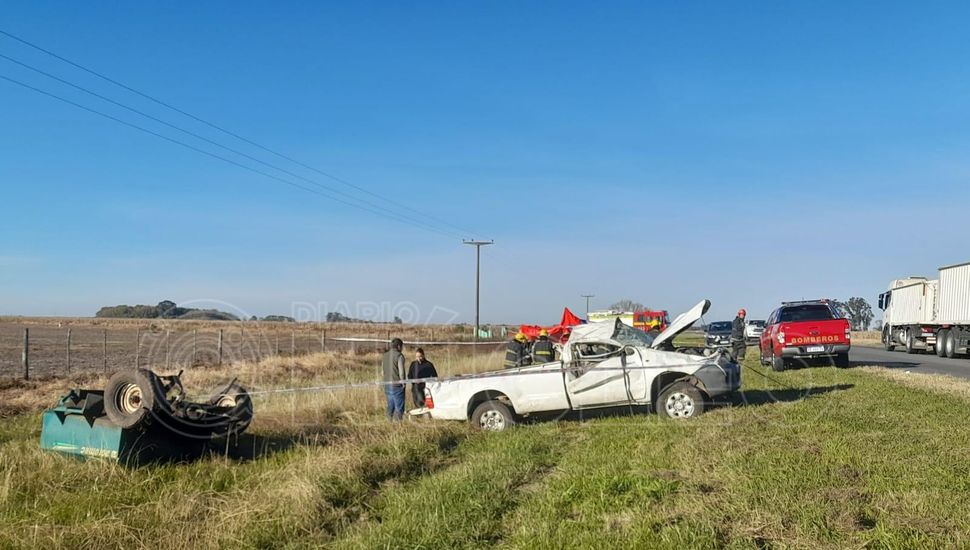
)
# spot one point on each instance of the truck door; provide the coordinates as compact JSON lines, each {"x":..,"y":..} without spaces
{"x":598,"y":379}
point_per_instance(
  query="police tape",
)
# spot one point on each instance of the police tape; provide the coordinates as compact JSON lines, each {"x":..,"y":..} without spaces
{"x":485,"y":376}
{"x":360,"y":340}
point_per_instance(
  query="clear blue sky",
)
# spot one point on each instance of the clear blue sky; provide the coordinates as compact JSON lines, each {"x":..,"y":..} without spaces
{"x":665,"y":152}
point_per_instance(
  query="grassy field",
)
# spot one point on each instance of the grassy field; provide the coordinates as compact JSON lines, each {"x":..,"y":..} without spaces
{"x":810,"y":458}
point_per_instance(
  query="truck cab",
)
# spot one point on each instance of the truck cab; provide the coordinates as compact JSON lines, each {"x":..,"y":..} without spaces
{"x":606,"y":364}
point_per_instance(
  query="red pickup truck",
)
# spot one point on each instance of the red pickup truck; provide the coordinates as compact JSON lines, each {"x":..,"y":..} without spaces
{"x":805,"y":330}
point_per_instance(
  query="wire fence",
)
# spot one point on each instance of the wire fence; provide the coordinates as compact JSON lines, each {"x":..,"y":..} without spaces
{"x":43,"y":351}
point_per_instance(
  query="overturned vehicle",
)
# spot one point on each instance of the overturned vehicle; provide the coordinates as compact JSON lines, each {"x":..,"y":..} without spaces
{"x":603,"y":365}
{"x":142,"y":416}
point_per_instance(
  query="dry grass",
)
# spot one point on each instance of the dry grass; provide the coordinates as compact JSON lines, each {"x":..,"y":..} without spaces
{"x":867,"y":338}
{"x":810,"y":458}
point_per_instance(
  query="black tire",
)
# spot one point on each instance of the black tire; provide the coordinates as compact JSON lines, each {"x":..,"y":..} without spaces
{"x":240,"y":410}
{"x":842,"y":361}
{"x":941,"y":337}
{"x":950,"y":346}
{"x":911,"y":342}
{"x":492,"y":416}
{"x":778,"y":363}
{"x":680,"y":400}
{"x":130,"y":397}
{"x":887,"y":340}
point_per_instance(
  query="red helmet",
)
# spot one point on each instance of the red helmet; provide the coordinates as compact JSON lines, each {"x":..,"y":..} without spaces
{"x":742,"y":312}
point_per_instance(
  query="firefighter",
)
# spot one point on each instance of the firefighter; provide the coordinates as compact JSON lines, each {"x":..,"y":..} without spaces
{"x":542,"y":350}
{"x":738,"y":344}
{"x":517,"y":352}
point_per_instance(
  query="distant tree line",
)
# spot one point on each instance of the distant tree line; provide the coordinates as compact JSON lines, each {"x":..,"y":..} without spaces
{"x":337,"y":317}
{"x":166,"y":309}
{"x":857,"y":310}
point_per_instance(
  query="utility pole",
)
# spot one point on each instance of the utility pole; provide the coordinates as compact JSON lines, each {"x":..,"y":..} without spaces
{"x":587,"y":296}
{"x":478,"y":276}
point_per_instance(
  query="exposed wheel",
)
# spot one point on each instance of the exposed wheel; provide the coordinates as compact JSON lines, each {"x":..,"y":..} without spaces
{"x":238,"y":412}
{"x":778,"y":363}
{"x":910,"y":341}
{"x":887,"y":340}
{"x":764,"y":360}
{"x":492,"y":416}
{"x":842,"y":360}
{"x":680,"y":400}
{"x":941,"y":337}
{"x":130,"y":397}
{"x":950,"y":347}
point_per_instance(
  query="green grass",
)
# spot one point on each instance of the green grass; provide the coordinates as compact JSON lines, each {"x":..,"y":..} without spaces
{"x":815,"y":458}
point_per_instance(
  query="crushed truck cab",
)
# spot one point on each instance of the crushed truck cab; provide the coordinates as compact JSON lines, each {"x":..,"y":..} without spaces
{"x":605,"y":364}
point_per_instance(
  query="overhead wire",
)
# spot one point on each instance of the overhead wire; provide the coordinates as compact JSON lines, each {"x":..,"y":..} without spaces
{"x":217,"y":156}
{"x":230,"y":133}
{"x":207,"y":140}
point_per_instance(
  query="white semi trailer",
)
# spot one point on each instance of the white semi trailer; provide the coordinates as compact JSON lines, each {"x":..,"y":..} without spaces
{"x":924,"y":314}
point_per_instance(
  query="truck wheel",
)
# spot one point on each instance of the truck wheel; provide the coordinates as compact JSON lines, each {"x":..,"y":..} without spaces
{"x":887,"y":340}
{"x":680,"y":400}
{"x":238,"y":413}
{"x":778,"y":364}
{"x":911,"y":341}
{"x":941,"y":337}
{"x":950,"y":347}
{"x":492,"y":416}
{"x":130,"y":397}
{"x":842,"y":361}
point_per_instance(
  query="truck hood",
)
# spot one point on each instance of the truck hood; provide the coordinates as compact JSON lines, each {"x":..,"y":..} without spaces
{"x":683,"y":322}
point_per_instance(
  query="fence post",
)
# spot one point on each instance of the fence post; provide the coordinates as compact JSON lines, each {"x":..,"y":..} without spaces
{"x":168,"y":343}
{"x":104,"y":350}
{"x":137,"y":346}
{"x":195,"y":346}
{"x":293,"y":343}
{"x":220,"y":346}
{"x":323,"y":341}
{"x":68,"y":351}
{"x":277,"y":333}
{"x":25,"y":358}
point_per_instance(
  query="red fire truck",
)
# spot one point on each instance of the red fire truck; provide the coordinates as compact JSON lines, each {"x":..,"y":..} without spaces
{"x":651,"y":321}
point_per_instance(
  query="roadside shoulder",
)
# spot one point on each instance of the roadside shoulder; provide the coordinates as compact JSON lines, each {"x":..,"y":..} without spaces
{"x":938,"y":383}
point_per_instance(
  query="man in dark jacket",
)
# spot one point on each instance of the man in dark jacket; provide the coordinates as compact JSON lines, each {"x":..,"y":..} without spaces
{"x":739,"y":344}
{"x":393,"y":374}
{"x":542,"y":349}
{"x":420,"y":368}
{"x":517,"y":352}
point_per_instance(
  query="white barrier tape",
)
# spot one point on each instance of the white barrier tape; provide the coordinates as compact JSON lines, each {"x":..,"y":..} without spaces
{"x":416,"y":343}
{"x":463,"y":377}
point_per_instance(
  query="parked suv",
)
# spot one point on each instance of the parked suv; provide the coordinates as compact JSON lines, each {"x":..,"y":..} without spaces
{"x":718,"y":335}
{"x":805,"y":330}
{"x":753,"y":330}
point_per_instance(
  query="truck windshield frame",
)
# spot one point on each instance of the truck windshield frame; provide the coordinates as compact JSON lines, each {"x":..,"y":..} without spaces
{"x":807,"y":312}
{"x":629,"y":336}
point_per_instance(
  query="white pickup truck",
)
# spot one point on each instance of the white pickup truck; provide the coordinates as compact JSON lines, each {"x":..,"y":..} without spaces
{"x":605,"y":364}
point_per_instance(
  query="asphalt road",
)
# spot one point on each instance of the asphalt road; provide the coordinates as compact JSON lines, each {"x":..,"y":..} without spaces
{"x":918,"y":362}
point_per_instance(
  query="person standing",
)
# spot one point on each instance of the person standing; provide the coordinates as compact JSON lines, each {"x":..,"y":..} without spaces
{"x":420,"y":368}
{"x":517,"y":352}
{"x":738,"y":344}
{"x":542,"y":349}
{"x":394,"y":373}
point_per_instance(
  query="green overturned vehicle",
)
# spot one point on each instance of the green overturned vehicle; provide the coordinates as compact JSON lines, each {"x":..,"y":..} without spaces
{"x":141,"y":417}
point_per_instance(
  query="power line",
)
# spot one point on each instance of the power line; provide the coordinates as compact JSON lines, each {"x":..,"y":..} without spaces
{"x":216,"y":156}
{"x":227,"y":132}
{"x":207,"y":140}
